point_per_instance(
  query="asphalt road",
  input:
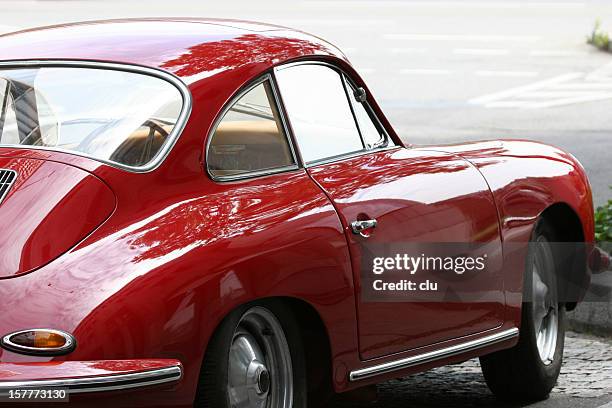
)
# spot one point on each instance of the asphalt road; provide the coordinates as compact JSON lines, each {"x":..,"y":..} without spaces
{"x":446,"y":71}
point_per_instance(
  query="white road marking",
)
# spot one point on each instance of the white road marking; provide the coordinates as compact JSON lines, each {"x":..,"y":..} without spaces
{"x":557,"y":94}
{"x":555,"y":53}
{"x":506,"y":104}
{"x":571,"y":101}
{"x":480,"y":51}
{"x":461,"y":37}
{"x":515,"y":74}
{"x":408,"y":50}
{"x":608,"y":405}
{"x":425,"y":71}
{"x":485,"y":99}
{"x":582,"y":87}
{"x":567,"y":89}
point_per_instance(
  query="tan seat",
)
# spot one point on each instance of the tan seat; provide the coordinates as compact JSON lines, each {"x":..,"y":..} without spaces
{"x":241,"y":146}
{"x":131,"y":151}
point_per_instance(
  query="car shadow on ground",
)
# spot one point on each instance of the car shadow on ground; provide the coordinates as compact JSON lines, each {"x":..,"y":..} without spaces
{"x":585,"y":381}
{"x":443,"y":387}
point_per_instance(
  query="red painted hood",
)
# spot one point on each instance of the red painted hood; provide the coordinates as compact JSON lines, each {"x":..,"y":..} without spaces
{"x":49,"y":209}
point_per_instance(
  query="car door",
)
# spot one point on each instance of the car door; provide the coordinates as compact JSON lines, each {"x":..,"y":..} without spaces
{"x":411,"y":196}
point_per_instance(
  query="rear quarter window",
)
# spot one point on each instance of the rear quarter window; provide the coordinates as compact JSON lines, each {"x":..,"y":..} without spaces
{"x":115,"y":116}
{"x":250,"y":138}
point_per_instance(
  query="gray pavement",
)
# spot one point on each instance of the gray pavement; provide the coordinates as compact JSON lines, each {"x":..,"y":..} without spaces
{"x":444,"y":71}
{"x":585,"y":381}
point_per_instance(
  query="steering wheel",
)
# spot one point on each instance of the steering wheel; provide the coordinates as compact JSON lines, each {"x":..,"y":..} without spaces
{"x":153,"y":126}
{"x":144,"y":154}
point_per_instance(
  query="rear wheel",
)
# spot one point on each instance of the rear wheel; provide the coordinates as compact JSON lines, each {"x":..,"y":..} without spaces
{"x":254,"y":360}
{"x":530,"y":370}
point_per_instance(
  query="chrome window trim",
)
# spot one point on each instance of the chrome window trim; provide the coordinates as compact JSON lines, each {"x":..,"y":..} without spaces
{"x":102,"y":383}
{"x":352,"y":107}
{"x":254,"y":174}
{"x":344,"y":77}
{"x":281,"y":113}
{"x":431,"y":356}
{"x":9,"y":185}
{"x":70,"y":345}
{"x":370,"y":112}
{"x":350,"y":155}
{"x":297,"y":156}
{"x":137,"y":69}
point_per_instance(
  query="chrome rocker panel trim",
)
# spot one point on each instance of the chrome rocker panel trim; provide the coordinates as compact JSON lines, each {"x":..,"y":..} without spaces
{"x":433,"y":355}
{"x":102,"y":383}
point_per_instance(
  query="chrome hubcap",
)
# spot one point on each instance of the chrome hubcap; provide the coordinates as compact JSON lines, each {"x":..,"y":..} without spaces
{"x":260,"y":372}
{"x":263,"y":381}
{"x":545,"y":303}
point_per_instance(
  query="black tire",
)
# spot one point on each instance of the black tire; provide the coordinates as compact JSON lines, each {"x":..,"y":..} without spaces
{"x":213,"y":386}
{"x":519,"y":373}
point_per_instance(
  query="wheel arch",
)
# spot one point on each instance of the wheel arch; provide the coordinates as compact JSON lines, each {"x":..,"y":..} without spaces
{"x":317,"y":342}
{"x":317,"y":346}
{"x":568,"y":228}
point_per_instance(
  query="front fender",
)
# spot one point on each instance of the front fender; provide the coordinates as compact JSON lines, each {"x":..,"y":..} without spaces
{"x":526,"y":178}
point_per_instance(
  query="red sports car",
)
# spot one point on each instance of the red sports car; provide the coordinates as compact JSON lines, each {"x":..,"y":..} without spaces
{"x":187,"y":207}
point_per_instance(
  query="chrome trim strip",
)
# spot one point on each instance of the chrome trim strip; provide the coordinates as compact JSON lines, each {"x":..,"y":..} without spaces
{"x":70,"y":345}
{"x":252,"y":174}
{"x":433,"y":355}
{"x":368,"y":108}
{"x":137,"y":69}
{"x":280,"y":107}
{"x":350,"y":155}
{"x":259,"y":173}
{"x":7,"y":186}
{"x":102,"y":383}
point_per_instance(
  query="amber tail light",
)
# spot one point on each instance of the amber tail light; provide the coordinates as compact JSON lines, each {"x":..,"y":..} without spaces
{"x":39,"y":342}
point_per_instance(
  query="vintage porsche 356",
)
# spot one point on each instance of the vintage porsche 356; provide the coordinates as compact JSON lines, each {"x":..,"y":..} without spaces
{"x":184,"y":208}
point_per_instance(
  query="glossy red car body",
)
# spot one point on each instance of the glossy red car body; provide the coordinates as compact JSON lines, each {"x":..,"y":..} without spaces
{"x":168,"y":258}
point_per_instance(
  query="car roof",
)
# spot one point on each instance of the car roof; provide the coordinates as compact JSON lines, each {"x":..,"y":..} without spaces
{"x":193,"y":49}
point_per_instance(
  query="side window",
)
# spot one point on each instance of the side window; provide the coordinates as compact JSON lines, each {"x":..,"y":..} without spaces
{"x":250,"y":137}
{"x":319,"y":110}
{"x":372,"y":134}
{"x":9,"y":132}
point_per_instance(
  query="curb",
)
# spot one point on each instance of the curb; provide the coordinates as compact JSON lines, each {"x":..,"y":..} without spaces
{"x":594,"y":315}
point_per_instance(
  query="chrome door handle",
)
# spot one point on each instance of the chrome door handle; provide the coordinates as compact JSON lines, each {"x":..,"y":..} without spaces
{"x":359,"y":227}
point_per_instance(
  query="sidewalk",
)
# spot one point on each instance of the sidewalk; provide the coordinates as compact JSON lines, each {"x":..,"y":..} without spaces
{"x":594,"y":315}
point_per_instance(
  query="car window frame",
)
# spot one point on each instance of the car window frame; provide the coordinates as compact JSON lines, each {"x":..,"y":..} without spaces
{"x":384,"y":140}
{"x":168,"y":77}
{"x":315,"y":62}
{"x":282,"y":117}
{"x":344,"y":78}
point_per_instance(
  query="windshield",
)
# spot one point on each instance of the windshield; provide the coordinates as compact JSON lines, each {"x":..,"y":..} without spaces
{"x":111,"y":115}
